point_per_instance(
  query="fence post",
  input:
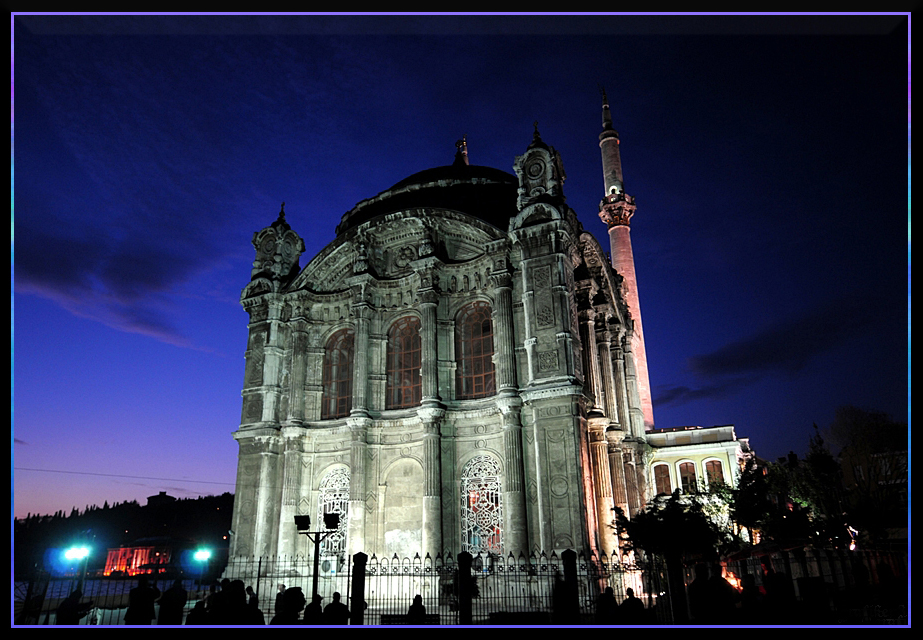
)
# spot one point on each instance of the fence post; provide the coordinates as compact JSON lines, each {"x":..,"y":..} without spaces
{"x":357,"y":592}
{"x":464,"y":587}
{"x":571,"y":596}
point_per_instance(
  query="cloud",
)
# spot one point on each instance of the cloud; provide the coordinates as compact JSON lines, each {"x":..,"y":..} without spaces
{"x":790,"y":345}
{"x":785,"y":347}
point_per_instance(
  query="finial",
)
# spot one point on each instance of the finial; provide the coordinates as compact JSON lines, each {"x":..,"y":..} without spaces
{"x":535,"y":134}
{"x":282,"y":212}
{"x":461,"y":150}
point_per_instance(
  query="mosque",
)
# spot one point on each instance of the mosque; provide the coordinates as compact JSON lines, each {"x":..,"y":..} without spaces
{"x":461,"y":369}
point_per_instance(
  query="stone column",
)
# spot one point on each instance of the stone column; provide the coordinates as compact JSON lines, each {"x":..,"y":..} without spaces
{"x":515,"y":522}
{"x":431,"y":416}
{"x":428,"y":302}
{"x":272,"y":361}
{"x":635,"y":415}
{"x":292,"y":455}
{"x":635,"y":501}
{"x":602,"y":482}
{"x":593,"y":353}
{"x":604,"y":349}
{"x":361,"y":361}
{"x":300,"y":348}
{"x":503,"y":333}
{"x":358,"y":454}
{"x":617,"y":359}
{"x":617,"y":470}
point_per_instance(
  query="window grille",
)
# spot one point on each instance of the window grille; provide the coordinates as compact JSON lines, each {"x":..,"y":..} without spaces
{"x":482,"y":516}
{"x":334,"y":498}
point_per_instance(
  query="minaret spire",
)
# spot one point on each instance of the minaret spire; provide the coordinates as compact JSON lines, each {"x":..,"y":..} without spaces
{"x":616,"y":210}
{"x":609,"y":143}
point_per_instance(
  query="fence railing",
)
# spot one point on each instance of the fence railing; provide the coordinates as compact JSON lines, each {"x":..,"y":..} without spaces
{"x":483,"y":589}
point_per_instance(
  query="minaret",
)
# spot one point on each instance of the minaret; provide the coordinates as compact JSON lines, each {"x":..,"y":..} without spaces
{"x":616,"y":209}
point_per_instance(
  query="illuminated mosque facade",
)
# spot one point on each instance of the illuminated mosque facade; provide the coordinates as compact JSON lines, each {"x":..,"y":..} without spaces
{"x":461,"y":369}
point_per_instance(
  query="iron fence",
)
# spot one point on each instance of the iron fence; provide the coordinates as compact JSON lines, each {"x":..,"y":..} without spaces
{"x":483,"y":589}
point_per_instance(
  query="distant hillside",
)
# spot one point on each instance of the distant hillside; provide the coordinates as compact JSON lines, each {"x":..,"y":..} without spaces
{"x":204,"y":521}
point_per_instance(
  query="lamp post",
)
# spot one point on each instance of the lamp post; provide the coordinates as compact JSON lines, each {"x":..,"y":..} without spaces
{"x":79,"y":553}
{"x":202,"y":556}
{"x":303,"y":523}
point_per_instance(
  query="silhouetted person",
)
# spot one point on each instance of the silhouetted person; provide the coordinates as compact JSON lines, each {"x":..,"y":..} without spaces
{"x":723,"y":598}
{"x":699,"y":606}
{"x":780,"y":597}
{"x":752,"y":606}
{"x":279,"y":591}
{"x":417,"y":611}
{"x":606,"y":607}
{"x":141,"y":603}
{"x":292,"y":603}
{"x":198,"y":615}
{"x":252,"y":597}
{"x":172,"y":603}
{"x":71,"y":610}
{"x":336,"y":612}
{"x":314,"y":612}
{"x":632,"y":609}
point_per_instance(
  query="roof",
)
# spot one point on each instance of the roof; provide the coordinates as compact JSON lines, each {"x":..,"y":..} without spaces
{"x":483,"y":192}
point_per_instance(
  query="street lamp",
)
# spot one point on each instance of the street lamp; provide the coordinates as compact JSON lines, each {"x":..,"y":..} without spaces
{"x":78,"y":554}
{"x":303,"y":524}
{"x":202,"y":556}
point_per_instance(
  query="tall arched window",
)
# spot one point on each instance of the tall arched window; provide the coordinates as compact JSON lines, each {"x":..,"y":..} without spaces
{"x":405,"y":387}
{"x":474,"y":350}
{"x":333,"y":497}
{"x":687,"y":477}
{"x":338,"y":375}
{"x":662,"y":479}
{"x":481,"y":513}
{"x":714,"y":472}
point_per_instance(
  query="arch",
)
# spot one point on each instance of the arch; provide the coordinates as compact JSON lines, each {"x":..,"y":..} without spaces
{"x":714,"y":472}
{"x":662,"y":483}
{"x":481,"y":506}
{"x":687,"y":476}
{"x":339,"y":352}
{"x":333,"y":497}
{"x":405,"y":352}
{"x":474,"y":350}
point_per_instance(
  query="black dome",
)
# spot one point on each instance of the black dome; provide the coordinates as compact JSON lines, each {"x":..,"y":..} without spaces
{"x":483,"y":192}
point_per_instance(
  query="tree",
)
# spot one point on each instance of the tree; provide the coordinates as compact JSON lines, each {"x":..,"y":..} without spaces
{"x":676,"y":528}
{"x":873,"y":457}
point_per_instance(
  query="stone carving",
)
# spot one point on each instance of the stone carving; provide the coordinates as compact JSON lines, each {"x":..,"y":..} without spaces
{"x":547,"y":361}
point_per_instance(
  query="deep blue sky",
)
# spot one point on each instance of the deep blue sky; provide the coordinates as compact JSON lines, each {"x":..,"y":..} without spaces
{"x":768,"y":157}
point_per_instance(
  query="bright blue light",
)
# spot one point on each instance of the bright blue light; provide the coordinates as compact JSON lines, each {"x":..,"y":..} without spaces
{"x":77,"y":553}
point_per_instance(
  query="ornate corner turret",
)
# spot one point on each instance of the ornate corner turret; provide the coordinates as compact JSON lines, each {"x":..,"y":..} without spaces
{"x":278,"y":250}
{"x":541,"y":174}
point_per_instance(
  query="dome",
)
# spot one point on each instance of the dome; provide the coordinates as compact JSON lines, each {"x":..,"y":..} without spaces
{"x":483,"y":192}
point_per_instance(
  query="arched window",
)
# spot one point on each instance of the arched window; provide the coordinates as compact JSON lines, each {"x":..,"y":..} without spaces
{"x":481,"y":514}
{"x":405,"y":387}
{"x":714,"y":472}
{"x":687,"y":477}
{"x":662,"y":479}
{"x":333,"y":497}
{"x":338,"y":375}
{"x":474,"y":350}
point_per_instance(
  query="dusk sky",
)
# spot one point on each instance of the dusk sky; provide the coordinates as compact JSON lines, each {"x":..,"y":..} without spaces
{"x":768,"y":157}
